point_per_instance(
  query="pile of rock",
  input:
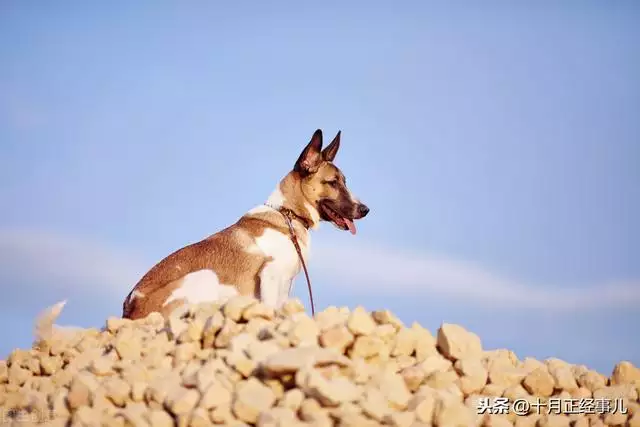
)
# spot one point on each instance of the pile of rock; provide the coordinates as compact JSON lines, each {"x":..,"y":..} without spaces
{"x":243,"y":364}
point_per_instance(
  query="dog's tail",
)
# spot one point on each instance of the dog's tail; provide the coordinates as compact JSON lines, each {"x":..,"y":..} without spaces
{"x":46,"y":330}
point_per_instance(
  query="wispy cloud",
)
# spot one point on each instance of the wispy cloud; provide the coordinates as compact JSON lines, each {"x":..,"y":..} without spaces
{"x":381,"y":269}
{"x":77,"y":265}
{"x":70,"y":264}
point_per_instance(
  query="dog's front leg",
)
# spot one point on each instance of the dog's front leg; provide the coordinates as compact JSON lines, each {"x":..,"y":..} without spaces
{"x":271,"y":289}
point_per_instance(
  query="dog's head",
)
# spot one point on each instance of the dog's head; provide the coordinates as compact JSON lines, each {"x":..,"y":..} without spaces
{"x":324,"y":186}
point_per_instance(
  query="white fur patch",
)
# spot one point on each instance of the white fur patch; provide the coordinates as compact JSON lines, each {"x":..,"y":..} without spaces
{"x":260,"y":209}
{"x":134,"y":295}
{"x":276,"y":199}
{"x":277,"y":276}
{"x":202,"y":286}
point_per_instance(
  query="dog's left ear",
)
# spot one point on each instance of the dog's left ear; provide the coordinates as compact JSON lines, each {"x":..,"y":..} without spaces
{"x":311,"y":156}
{"x":330,"y":152}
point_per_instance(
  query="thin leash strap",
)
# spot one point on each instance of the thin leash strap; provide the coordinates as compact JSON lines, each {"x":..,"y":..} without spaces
{"x":294,"y":239}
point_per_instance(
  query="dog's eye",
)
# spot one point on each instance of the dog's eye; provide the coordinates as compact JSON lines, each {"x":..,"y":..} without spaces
{"x":333,"y":183}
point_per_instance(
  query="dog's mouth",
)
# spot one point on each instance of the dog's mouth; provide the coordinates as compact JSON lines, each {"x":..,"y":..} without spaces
{"x":341,"y":222}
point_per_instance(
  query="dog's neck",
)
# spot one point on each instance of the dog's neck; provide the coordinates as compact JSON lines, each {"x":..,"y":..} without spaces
{"x":287,"y":198}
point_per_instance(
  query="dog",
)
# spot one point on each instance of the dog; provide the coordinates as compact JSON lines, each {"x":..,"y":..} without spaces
{"x":261,"y":254}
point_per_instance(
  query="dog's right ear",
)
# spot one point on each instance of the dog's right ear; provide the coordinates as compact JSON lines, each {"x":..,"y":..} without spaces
{"x":311,"y":156}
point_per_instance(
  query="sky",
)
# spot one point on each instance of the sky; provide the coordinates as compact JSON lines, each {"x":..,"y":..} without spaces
{"x":497,"y":146}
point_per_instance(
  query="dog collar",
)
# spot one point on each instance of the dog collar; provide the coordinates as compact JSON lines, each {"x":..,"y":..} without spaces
{"x":288,"y":215}
{"x":291,"y":215}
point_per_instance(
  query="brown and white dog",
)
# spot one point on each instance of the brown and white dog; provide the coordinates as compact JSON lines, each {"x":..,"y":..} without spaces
{"x":256,"y":256}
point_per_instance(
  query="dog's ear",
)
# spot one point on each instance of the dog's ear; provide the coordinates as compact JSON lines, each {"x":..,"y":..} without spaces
{"x":330,"y":152}
{"x":311,"y":156}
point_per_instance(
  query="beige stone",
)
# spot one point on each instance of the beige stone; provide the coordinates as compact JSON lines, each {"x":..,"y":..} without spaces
{"x":215,"y":395}
{"x":625,"y":373}
{"x":400,"y":419}
{"x":212,"y":325}
{"x":413,"y":377}
{"x":455,"y":342}
{"x":554,"y":420}
{"x":507,"y":376}
{"x":539,"y":383}
{"x":374,"y":404}
{"x":435,"y":363}
{"x":181,"y":400}
{"x":303,"y":331}
{"x":292,"y":399}
{"x":291,"y":360}
{"x":452,"y":413}
{"x":423,"y":405}
{"x":241,"y":363}
{"x":336,"y":337}
{"x":473,"y":375}
{"x":234,"y":307}
{"x":360,"y":322}
{"x":439,"y":380}
{"x":291,"y":306}
{"x":591,"y":380}
{"x":367,"y":346}
{"x":329,"y":392}
{"x":405,"y":343}
{"x":564,"y":378}
{"x":251,"y":398}
{"x":277,"y":417}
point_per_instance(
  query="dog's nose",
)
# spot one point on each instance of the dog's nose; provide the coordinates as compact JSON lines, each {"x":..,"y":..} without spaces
{"x":363,"y":209}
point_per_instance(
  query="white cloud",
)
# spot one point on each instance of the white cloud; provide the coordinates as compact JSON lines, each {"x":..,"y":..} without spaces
{"x":76,"y":265}
{"x":71,"y":264}
{"x":381,"y":269}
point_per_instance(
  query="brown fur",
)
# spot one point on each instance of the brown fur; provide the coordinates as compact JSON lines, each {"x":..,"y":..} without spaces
{"x":223,"y":252}
{"x":313,"y":181}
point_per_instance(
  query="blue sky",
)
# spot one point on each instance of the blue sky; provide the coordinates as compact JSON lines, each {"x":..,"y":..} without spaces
{"x":498,"y":147}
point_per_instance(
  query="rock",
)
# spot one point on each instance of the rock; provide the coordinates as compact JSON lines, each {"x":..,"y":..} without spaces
{"x":507,"y":376}
{"x":292,"y":306}
{"x":385,"y":317}
{"x":413,"y":377}
{"x":625,"y":373}
{"x":405,"y":343}
{"x":374,"y":404}
{"x":435,"y":363}
{"x":473,"y":375}
{"x":336,"y":337}
{"x":241,"y":364}
{"x":591,"y":380}
{"x":367,"y":346}
{"x":292,"y":399}
{"x":235,"y":307}
{"x":303,"y":331}
{"x":215,"y":395}
{"x":291,"y":360}
{"x":360,"y":322}
{"x":564,"y":379}
{"x":329,"y":392}
{"x":453,"y":414}
{"x":539,"y":383}
{"x":423,"y":405}
{"x":251,"y":398}
{"x":455,"y":342}
{"x":277,"y":417}
{"x":395,"y":390}
{"x":258,"y":310}
{"x":182,"y":401}
{"x":425,"y":343}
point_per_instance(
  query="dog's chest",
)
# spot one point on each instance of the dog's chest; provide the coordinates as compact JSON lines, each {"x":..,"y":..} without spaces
{"x":282,"y":254}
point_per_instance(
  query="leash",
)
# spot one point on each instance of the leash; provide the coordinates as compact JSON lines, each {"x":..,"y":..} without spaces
{"x":294,"y":239}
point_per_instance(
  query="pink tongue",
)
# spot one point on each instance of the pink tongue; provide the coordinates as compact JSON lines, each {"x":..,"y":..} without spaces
{"x":351,"y":225}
